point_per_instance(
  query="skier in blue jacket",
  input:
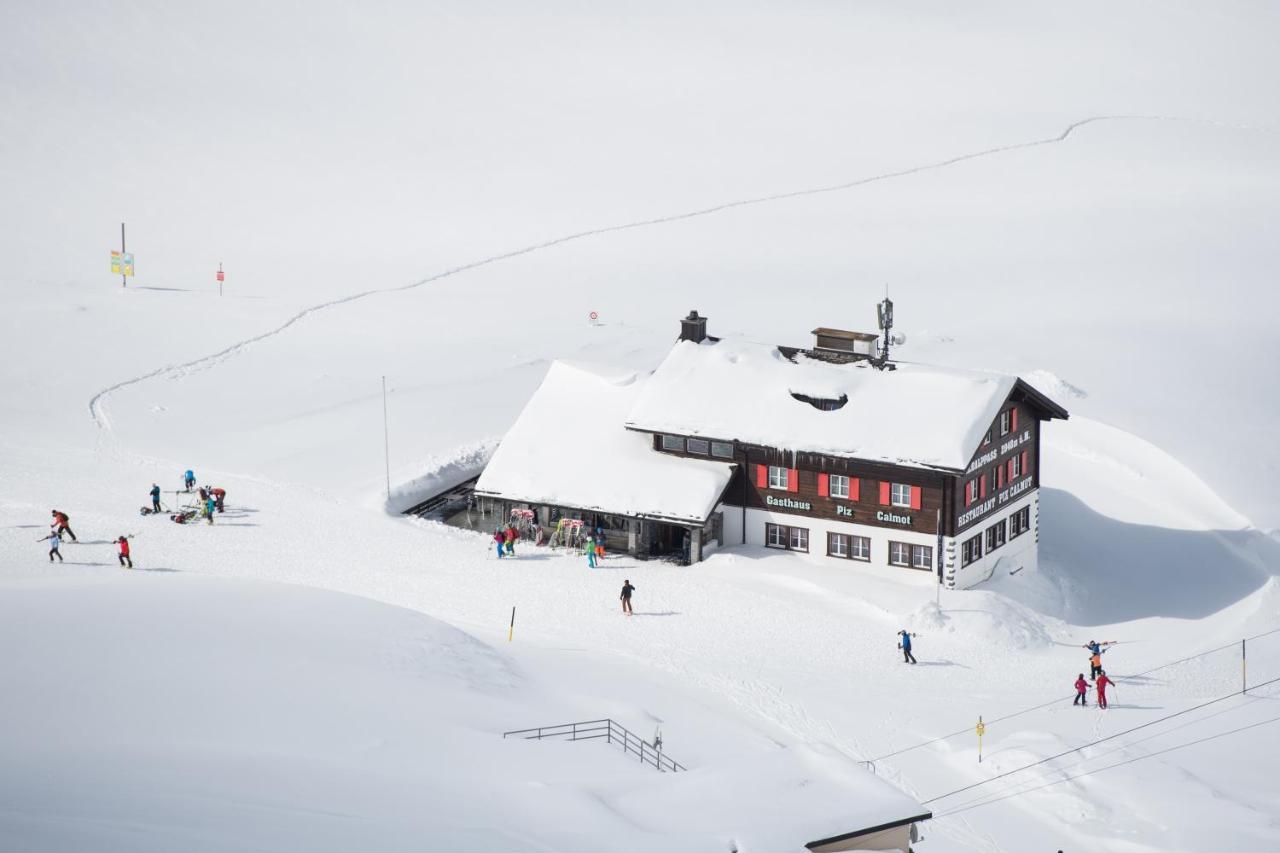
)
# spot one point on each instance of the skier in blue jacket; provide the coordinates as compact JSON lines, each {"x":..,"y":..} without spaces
{"x":189,"y":479}
{"x":155,"y":498}
{"x":907,"y":657}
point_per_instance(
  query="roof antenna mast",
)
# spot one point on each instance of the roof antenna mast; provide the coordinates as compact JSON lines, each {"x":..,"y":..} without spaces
{"x":884,"y":317}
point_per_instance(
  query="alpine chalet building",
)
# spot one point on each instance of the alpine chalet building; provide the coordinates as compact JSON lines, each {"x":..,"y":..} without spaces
{"x":833,"y":451}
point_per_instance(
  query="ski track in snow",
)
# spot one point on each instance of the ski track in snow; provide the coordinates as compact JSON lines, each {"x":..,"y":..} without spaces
{"x":97,"y":404}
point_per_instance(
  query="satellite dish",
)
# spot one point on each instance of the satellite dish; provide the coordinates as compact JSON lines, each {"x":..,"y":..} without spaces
{"x":898,"y":339}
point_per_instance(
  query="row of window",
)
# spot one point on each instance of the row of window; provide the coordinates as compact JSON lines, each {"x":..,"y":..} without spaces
{"x":702,"y":446}
{"x":1008,"y":424}
{"x":847,"y":546}
{"x":1011,"y":469}
{"x":837,"y":486}
{"x":995,"y":536}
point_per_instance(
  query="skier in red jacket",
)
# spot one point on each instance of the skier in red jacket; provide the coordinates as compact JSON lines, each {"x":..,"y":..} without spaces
{"x":1101,"y":684}
{"x":1082,"y":689}
{"x":125,"y":559}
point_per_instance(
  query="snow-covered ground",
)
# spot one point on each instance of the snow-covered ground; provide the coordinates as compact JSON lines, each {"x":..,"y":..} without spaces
{"x":1082,"y":195}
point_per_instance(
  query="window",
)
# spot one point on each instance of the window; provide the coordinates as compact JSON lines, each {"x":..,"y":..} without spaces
{"x":899,"y":554}
{"x":921,"y":557}
{"x":986,"y":438}
{"x":971,"y":550}
{"x":723,"y":449}
{"x":698,"y":445}
{"x":1015,"y":468}
{"x":837,"y":545}
{"x":848,"y":547}
{"x":790,"y":538}
{"x":777,"y":477}
{"x":900,"y":495}
{"x":971,"y":491}
{"x":839,"y":484}
{"x":995,"y":536}
{"x":1020,"y":522}
{"x":1006,"y":421}
{"x":672,"y":442}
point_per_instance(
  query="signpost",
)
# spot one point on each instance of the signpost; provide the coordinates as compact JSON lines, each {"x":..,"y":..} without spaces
{"x":220,"y":278}
{"x":981,"y":729}
{"x":122,"y":261}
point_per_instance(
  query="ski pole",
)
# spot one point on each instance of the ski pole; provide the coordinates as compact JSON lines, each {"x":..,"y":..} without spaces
{"x":511,"y":630}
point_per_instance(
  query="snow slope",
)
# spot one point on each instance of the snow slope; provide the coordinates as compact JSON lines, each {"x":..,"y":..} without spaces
{"x":440,"y":194}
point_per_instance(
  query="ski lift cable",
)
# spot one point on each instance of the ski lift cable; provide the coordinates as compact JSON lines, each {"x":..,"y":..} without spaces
{"x":1108,"y":767}
{"x":969,"y":729}
{"x":1092,"y":743}
{"x":1019,"y":787}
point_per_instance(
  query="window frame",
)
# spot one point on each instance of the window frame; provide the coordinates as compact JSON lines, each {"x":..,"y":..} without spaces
{"x":785,"y":477}
{"x":786,"y":532}
{"x":893,"y":495}
{"x":927,"y":550}
{"x":1006,"y":421}
{"x":706,"y":446}
{"x":971,"y":550}
{"x":998,"y":534}
{"x":1023,"y":522}
{"x":1015,"y":466}
{"x":864,"y":545}
{"x":832,"y":538}
{"x":669,"y":440}
{"x":971,"y":492}
{"x":906,"y":554}
{"x":728,"y":454}
{"x":843,"y":481}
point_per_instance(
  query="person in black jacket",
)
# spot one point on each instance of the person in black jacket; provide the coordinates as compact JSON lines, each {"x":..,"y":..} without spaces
{"x":627,"y":589}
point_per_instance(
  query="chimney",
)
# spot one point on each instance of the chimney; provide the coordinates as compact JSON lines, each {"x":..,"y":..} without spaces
{"x":693,"y":328}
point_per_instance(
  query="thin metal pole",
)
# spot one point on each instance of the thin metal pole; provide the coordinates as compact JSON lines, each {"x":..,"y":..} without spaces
{"x":219,"y":278}
{"x":1244,"y":670}
{"x":937,"y":595}
{"x":386,"y":435}
{"x":123,"y":277}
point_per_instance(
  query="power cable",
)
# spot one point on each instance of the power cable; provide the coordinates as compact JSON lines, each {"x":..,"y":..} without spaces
{"x":1092,"y":743}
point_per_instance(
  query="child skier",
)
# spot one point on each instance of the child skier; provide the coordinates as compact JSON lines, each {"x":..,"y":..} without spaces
{"x":54,"y":542}
{"x":1101,"y":684}
{"x":61,"y":525}
{"x":499,"y":539}
{"x":209,"y":507}
{"x":510,"y":536}
{"x":590,"y":548}
{"x":219,"y":496}
{"x":125,"y":559}
{"x":627,"y":589}
{"x":905,"y":645}
{"x":1082,"y":689}
{"x":155,"y":498}
{"x":1095,"y":663}
{"x":189,"y":479}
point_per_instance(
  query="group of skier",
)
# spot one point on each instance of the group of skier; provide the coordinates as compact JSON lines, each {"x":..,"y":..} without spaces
{"x":1097,"y":675}
{"x":61,"y":527}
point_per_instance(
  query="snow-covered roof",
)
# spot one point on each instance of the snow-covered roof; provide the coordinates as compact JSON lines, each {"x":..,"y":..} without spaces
{"x":569,"y":448}
{"x":780,"y":799}
{"x":917,"y":415}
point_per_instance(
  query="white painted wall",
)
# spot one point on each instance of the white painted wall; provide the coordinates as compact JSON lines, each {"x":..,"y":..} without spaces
{"x":1016,"y":554}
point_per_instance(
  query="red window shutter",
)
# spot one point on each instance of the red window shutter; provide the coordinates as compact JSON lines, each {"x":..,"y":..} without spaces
{"x":1000,"y":476}
{"x":915,"y":497}
{"x":969,"y":492}
{"x":854,"y":482}
{"x":1013,"y":419}
{"x":762,"y":476}
{"x":884,"y":494}
{"x":1025,"y":470}
{"x":824,"y":485}
{"x":793,"y":480}
{"x":982,"y":486}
